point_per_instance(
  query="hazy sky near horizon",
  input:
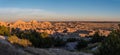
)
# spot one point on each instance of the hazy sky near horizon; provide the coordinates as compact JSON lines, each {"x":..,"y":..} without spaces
{"x":55,"y":10}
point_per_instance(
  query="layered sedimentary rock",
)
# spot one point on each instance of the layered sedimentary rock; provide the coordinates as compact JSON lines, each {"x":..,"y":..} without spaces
{"x":3,"y":23}
{"x":63,"y":27}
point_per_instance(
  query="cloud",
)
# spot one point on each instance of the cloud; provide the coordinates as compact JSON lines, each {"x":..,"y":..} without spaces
{"x":24,"y":12}
{"x":16,"y":13}
{"x":12,"y":14}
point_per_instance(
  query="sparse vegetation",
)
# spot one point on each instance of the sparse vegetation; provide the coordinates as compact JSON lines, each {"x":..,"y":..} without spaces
{"x":44,"y":35}
{"x":81,"y":44}
{"x":96,"y":38}
{"x":119,"y":25}
{"x":72,"y":40}
{"x":111,"y":45}
{"x":24,"y":42}
{"x":21,"y":42}
{"x":13,"y":39}
{"x":41,"y":39}
{"x":4,"y":31}
{"x":58,"y":42}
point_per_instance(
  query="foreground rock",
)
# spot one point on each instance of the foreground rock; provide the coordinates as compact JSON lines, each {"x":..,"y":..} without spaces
{"x":8,"y":49}
{"x":52,"y":51}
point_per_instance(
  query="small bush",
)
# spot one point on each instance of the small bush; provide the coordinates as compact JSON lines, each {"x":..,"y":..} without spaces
{"x":21,"y":42}
{"x":97,"y":38}
{"x":44,"y":35}
{"x":58,"y":42}
{"x":4,"y":31}
{"x":24,"y":42}
{"x":81,"y":44}
{"x":13,"y":39}
{"x":111,"y":45}
{"x":72,"y":40}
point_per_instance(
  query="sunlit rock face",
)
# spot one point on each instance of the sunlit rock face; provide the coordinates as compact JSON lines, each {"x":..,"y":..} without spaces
{"x":33,"y":24}
{"x":19,"y":24}
{"x":45,"y":25}
{"x":63,"y":27}
{"x":3,"y":23}
{"x":104,"y":32}
{"x":25,"y":25}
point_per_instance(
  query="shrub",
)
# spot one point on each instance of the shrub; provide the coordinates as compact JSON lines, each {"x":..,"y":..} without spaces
{"x":44,"y":35}
{"x":72,"y":40}
{"x":58,"y":42}
{"x":4,"y":31}
{"x":81,"y":44}
{"x":119,"y":25}
{"x":111,"y":45}
{"x":97,"y":38}
{"x":13,"y":39}
{"x":35,"y":41}
{"x":21,"y":42}
{"x":24,"y":42}
{"x":47,"y":42}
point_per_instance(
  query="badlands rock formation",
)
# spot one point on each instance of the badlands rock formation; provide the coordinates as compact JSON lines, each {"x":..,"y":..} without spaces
{"x":63,"y":27}
{"x":3,"y":23}
{"x":30,"y":25}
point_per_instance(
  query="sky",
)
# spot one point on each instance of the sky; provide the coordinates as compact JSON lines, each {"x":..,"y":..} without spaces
{"x":60,"y":10}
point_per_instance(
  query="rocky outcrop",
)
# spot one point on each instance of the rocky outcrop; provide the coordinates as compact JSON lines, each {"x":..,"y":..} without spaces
{"x":7,"y":49}
{"x":63,"y":27}
{"x":3,"y":23}
{"x":52,"y":51}
{"x":19,"y":22}
{"x":33,"y":24}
